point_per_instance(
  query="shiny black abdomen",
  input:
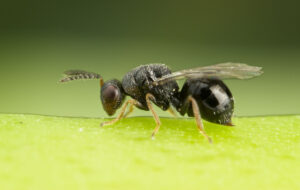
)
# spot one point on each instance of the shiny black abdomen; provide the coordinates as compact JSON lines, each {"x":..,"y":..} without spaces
{"x":138,"y":82}
{"x":214,"y":100}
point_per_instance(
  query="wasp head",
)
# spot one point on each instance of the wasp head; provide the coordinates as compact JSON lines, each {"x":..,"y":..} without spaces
{"x":112,"y":96}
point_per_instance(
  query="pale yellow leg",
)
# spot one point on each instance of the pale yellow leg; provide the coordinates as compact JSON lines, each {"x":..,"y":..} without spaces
{"x":172,"y":112}
{"x":198,"y":118}
{"x":131,"y":108}
{"x":120,"y":116}
{"x":155,"y":116}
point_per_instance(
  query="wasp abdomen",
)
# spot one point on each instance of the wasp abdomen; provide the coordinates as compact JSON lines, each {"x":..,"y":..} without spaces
{"x":213,"y":97}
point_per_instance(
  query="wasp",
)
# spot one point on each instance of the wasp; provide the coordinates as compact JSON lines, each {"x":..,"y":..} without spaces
{"x":203,"y":94}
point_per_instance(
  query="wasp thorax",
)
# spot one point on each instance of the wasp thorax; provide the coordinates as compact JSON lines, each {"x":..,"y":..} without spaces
{"x":111,"y":96}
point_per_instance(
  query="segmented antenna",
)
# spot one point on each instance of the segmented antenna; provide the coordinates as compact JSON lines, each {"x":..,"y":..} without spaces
{"x":79,"y":75}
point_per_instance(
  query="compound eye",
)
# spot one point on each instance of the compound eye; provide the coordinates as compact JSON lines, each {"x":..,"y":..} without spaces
{"x":110,"y":94}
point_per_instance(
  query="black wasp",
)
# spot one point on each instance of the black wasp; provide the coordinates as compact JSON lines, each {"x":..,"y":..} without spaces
{"x":203,"y":94}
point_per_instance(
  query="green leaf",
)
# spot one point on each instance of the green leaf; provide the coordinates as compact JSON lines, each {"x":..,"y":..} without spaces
{"x":41,"y":152}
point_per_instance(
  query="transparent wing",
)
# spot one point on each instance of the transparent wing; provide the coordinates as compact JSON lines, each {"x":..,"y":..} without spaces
{"x":221,"y":71}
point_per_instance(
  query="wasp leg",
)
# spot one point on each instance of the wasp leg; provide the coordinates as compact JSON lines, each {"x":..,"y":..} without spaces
{"x":172,"y":112}
{"x":131,"y":108}
{"x":120,"y":116}
{"x":197,"y":116}
{"x":149,"y":98}
{"x":230,"y":124}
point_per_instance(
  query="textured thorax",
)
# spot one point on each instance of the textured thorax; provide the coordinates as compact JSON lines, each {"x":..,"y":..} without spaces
{"x":138,"y":82}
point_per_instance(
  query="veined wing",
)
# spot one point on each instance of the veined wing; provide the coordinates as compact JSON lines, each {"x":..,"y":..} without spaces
{"x":221,"y":71}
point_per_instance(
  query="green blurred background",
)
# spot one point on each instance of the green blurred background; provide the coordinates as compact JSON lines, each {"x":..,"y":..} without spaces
{"x":41,"y":39}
